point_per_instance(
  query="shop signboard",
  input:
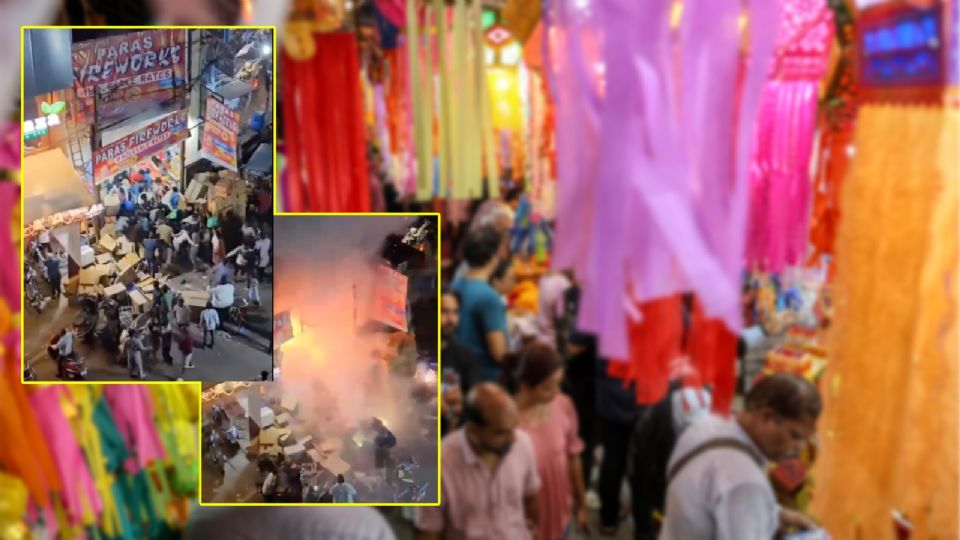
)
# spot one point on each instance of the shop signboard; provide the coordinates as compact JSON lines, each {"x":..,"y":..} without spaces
{"x":901,"y":53}
{"x":390,"y":300}
{"x":39,"y":127}
{"x":221,"y":125}
{"x":282,"y":328}
{"x":131,"y":66}
{"x":141,"y":144}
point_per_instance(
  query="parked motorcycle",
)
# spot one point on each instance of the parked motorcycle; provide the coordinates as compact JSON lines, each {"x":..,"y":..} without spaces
{"x":74,"y":367}
{"x":85,"y":325}
{"x":33,"y":295}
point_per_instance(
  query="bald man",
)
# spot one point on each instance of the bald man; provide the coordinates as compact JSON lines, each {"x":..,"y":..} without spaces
{"x":489,"y":471}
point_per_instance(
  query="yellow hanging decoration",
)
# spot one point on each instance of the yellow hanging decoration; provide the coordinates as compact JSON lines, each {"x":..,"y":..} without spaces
{"x":13,"y":506}
{"x":461,"y":104}
{"x":446,"y":111}
{"x":473,"y":146}
{"x":84,"y":403}
{"x":307,"y":17}
{"x":421,"y":94}
{"x":490,"y":169}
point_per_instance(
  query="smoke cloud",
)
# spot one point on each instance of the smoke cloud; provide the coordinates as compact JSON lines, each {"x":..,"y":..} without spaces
{"x":326,"y":278}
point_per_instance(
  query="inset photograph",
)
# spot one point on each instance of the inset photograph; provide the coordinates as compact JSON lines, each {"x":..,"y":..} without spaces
{"x":147,"y":204}
{"x":352,"y":415}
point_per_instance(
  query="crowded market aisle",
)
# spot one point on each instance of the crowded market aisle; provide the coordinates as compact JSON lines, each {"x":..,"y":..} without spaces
{"x":680,"y":268}
{"x":148,"y":249}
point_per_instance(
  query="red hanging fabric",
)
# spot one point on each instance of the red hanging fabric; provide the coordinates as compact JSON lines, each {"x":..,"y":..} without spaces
{"x":825,"y":220}
{"x":654,"y":344}
{"x":712,"y":348}
{"x":656,"y":353}
{"x":398,"y":123}
{"x":323,"y":117}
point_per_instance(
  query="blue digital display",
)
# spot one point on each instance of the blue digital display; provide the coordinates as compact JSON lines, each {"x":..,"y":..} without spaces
{"x":906,"y":35}
{"x":904,"y":48}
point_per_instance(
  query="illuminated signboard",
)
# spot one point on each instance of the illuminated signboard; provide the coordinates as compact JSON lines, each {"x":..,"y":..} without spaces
{"x":40,"y":126}
{"x":902,"y":50}
{"x":282,"y":328}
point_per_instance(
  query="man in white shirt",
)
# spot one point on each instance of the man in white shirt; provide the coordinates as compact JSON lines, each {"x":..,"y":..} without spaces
{"x":179,"y":239}
{"x":717,"y":483}
{"x":221,"y":296}
{"x":263,"y":249}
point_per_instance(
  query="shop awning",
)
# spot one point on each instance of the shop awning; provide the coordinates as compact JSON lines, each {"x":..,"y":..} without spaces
{"x":51,"y":185}
{"x":262,"y":159}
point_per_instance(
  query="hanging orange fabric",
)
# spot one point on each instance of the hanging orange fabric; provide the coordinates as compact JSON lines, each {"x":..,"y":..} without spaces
{"x":325,"y":129}
{"x":889,"y":429}
{"x":34,"y":467}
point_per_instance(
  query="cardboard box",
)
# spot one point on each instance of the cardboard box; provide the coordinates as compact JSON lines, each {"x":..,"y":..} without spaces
{"x":107,"y":242}
{"x":127,"y":262}
{"x":147,"y":284}
{"x":111,"y":204}
{"x":124,"y":246}
{"x":192,"y":192}
{"x":115,"y":290}
{"x":89,"y":276}
{"x":104,"y":258}
{"x":72,"y":285}
{"x":90,"y":289}
{"x":195,"y":299}
{"x":139,"y":301}
{"x":87,"y":256}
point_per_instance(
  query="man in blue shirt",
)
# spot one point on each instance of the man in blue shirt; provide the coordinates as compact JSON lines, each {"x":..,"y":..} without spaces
{"x":52,"y":265}
{"x":483,"y":315}
{"x":175,"y":199}
{"x":127,"y":208}
{"x":150,"y":246}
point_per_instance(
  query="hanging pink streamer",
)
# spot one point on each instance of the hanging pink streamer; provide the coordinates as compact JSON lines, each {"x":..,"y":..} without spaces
{"x":77,"y":482}
{"x":10,"y":273}
{"x":10,"y":147}
{"x":780,"y":172}
{"x":674,"y":133}
{"x":572,"y":43}
{"x":394,"y":11}
{"x":132,"y":409}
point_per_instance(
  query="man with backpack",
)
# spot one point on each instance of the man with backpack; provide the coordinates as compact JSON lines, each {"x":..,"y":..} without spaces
{"x":717,"y":487}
